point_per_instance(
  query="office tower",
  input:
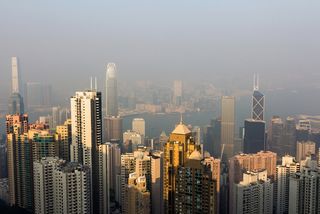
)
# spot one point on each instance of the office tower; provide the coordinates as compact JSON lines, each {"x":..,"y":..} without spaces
{"x":15,"y":104}
{"x":113,"y":129}
{"x":38,"y":95}
{"x":111,"y":91}
{"x":216,"y":125}
{"x":177,"y":92}
{"x":19,"y":161}
{"x":178,"y":148}
{"x":72,"y":189}
{"x":254,"y":136}
{"x":304,"y":191}
{"x":227,"y":126}
{"x":195,"y":188}
{"x":249,"y":162}
{"x":86,"y":129}
{"x":258,"y":104}
{"x":283,"y":172}
{"x":254,"y":194}
{"x":304,"y":149}
{"x":137,"y":195}
{"x":290,"y":138}
{"x":43,"y":145}
{"x":139,"y":126}
{"x":275,"y":136}
{"x":64,"y":138}
{"x":16,"y":80}
{"x":208,"y":139}
{"x":131,"y":141}
{"x":214,"y":165}
{"x":44,"y":184}
{"x":156,"y":182}
{"x":56,"y":116}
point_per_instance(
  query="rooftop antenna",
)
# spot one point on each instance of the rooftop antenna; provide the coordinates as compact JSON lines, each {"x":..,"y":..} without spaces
{"x":91,"y":83}
{"x":181,"y":118}
{"x":255,"y":82}
{"x":95,"y":84}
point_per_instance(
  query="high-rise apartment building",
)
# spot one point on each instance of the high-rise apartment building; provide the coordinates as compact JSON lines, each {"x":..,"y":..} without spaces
{"x":304,"y":149}
{"x":214,"y":165}
{"x":64,"y":138}
{"x":19,"y":161}
{"x":195,"y":190}
{"x":254,"y":136}
{"x":176,"y":151}
{"x":43,"y":145}
{"x":288,"y":168}
{"x":111,"y":91}
{"x":137,"y":195}
{"x":249,"y":162}
{"x":227,"y":126}
{"x":86,"y":130}
{"x":304,"y":191}
{"x":72,"y":189}
{"x":44,"y":184}
{"x":156,"y":182}
{"x":254,"y":194}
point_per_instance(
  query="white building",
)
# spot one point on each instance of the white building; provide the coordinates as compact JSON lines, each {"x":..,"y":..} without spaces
{"x":61,"y":187}
{"x":283,"y":172}
{"x":304,"y":149}
{"x":254,"y":194}
{"x":304,"y":192}
{"x":132,"y":139}
{"x":156,"y":182}
{"x":139,"y":126}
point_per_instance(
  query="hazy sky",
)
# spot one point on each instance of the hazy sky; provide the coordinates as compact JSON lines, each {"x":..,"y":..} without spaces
{"x":64,"y":42}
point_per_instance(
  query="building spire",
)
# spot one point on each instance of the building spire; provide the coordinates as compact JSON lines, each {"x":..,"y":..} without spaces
{"x":181,"y":118}
{"x":255,"y":82}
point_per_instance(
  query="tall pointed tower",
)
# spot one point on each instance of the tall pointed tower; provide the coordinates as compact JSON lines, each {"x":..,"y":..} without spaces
{"x":257,"y":112}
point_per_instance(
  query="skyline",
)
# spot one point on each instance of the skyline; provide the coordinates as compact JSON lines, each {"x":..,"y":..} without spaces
{"x":220,"y":42}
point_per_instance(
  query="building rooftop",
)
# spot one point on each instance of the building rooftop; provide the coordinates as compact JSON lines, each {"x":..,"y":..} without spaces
{"x":181,"y":129}
{"x":195,"y":155}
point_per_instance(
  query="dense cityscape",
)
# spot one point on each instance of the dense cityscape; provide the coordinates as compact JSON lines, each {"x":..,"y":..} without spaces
{"x":80,"y":159}
{"x":160,"y":107}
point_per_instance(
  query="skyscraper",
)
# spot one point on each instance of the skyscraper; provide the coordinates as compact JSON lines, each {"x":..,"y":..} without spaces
{"x":176,"y":151}
{"x":304,"y":149}
{"x":113,"y":129}
{"x":16,"y":81}
{"x":254,"y":194}
{"x":177,"y":92}
{"x":139,"y":126}
{"x":86,"y":129}
{"x":19,"y":161}
{"x":15,"y":104}
{"x":195,"y":187}
{"x":254,"y":136}
{"x":257,"y":101}
{"x":111,"y":91}
{"x":281,"y":197}
{"x":227,"y":126}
